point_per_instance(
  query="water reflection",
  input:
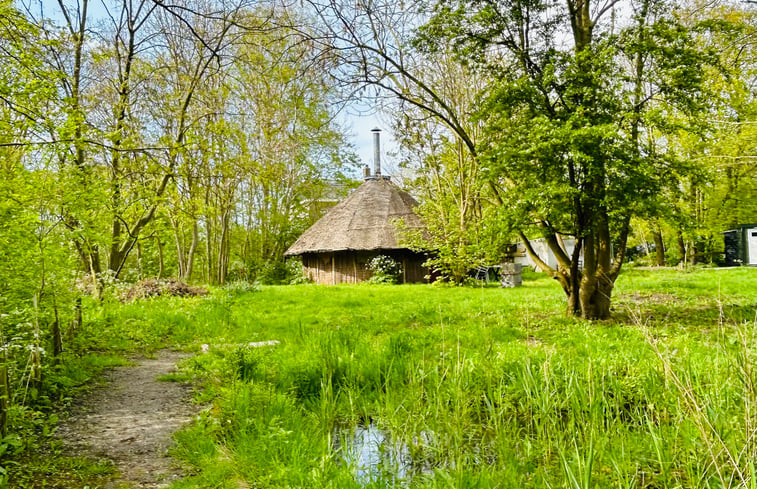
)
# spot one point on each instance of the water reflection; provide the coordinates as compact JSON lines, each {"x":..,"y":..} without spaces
{"x":375,"y":456}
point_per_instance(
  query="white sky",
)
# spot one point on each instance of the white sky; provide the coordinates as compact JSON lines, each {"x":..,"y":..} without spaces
{"x":360,"y":126}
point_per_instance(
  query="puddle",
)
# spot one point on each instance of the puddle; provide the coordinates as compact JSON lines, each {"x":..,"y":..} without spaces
{"x":374,"y":456}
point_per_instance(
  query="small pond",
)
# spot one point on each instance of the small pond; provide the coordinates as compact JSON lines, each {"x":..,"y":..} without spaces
{"x":375,"y":456}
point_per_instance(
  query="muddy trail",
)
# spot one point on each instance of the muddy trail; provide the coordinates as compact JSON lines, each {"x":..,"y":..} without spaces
{"x":129,"y":422}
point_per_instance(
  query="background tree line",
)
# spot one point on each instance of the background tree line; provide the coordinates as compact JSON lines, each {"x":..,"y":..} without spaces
{"x":139,"y":139}
{"x":181,"y":141}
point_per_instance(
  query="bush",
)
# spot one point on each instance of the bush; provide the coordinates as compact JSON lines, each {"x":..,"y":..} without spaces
{"x":384,"y":270}
{"x":274,"y":272}
{"x":296,"y":272}
{"x":238,"y":287}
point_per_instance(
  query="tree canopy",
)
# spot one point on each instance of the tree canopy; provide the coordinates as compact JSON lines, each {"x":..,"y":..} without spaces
{"x":571,"y":119}
{"x":575,"y":110}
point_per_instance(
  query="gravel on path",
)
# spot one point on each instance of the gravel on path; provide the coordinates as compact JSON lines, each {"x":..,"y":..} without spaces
{"x":130,"y":421}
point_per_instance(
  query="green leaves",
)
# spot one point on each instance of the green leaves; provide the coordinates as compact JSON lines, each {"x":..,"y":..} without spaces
{"x":576,"y":134}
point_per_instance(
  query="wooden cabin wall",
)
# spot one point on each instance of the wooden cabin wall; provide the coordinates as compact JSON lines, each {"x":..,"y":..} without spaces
{"x":318,"y":267}
{"x":352,"y":267}
{"x":360,"y":265}
{"x":414,"y":270}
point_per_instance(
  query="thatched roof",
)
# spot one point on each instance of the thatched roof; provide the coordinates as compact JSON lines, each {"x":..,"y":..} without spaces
{"x":363,"y":221}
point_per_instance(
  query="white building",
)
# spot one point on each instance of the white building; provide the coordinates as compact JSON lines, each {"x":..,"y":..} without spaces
{"x":541,"y":248}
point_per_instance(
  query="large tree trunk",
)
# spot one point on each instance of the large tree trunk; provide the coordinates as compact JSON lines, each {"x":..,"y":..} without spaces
{"x":681,"y":247}
{"x":223,"y":248}
{"x":596,"y":282}
{"x":691,"y":252}
{"x":595,"y":296}
{"x":588,"y":289}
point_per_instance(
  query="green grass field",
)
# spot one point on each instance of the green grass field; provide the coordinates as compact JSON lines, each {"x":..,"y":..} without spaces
{"x":434,"y":386}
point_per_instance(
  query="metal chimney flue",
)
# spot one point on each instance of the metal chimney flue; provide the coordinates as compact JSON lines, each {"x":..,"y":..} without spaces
{"x":376,"y":151}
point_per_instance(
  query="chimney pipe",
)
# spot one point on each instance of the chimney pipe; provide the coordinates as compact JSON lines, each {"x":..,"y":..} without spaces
{"x":376,"y":151}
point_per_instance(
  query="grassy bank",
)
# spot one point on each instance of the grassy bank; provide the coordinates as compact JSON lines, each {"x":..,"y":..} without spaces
{"x":429,"y":386}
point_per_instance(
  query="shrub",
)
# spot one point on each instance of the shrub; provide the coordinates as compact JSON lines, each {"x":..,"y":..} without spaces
{"x":384,"y":270}
{"x":273,"y":272}
{"x":296,"y":272}
{"x":277,"y":272}
{"x":238,"y":287}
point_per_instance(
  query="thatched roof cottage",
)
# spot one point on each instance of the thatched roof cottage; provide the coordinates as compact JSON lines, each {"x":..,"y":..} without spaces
{"x":337,"y":248}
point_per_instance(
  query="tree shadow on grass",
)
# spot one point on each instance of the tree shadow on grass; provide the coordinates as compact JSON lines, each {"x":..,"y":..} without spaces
{"x":687,"y":312}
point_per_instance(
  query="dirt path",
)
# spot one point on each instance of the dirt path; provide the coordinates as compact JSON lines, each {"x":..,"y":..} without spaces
{"x":130,"y":420}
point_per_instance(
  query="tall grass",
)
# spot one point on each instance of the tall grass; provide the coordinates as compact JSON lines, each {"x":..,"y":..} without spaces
{"x":480,"y":387}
